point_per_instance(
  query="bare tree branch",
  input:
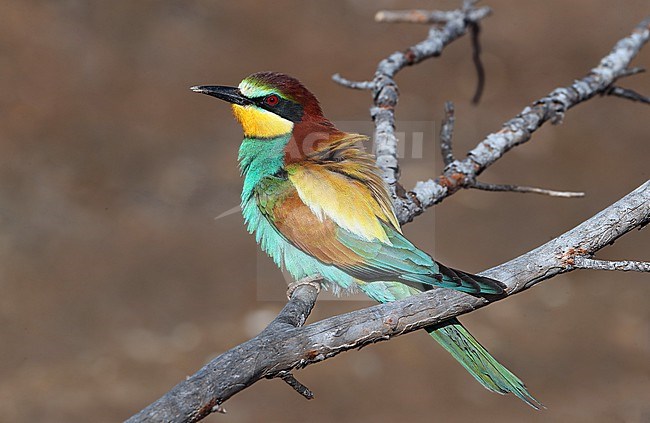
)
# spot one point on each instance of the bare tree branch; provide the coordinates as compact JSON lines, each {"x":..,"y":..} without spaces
{"x":627,"y":94}
{"x":582,"y":262}
{"x":447,"y":133}
{"x":282,"y":347}
{"x":475,"y":31}
{"x":357,"y":85}
{"x":523,"y":189}
{"x":431,"y":16}
{"x":517,"y":131}
{"x":385,"y":95}
{"x":297,"y":386}
{"x":633,"y":70}
{"x":414,"y":16}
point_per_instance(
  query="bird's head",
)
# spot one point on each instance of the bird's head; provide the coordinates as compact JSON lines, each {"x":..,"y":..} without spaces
{"x":268,"y":104}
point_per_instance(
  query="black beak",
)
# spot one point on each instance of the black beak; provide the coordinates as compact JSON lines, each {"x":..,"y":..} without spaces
{"x":229,"y":94}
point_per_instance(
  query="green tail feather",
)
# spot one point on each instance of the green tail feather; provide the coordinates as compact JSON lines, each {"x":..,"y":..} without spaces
{"x":478,"y":361}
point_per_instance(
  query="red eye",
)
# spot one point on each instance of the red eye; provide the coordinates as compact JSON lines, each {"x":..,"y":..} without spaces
{"x":272,"y":100}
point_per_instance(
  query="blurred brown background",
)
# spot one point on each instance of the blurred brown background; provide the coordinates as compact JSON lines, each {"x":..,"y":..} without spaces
{"x":117,"y":282}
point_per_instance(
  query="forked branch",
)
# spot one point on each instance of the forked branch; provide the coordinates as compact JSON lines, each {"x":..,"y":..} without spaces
{"x":459,"y":174}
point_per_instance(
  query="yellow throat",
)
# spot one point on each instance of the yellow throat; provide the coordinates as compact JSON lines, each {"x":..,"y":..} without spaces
{"x":259,"y":123}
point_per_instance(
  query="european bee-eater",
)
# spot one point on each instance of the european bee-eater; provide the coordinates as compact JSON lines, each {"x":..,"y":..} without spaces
{"x":318,"y":206}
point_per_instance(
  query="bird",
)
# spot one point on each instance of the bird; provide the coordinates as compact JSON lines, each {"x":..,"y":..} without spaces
{"x":318,"y":206}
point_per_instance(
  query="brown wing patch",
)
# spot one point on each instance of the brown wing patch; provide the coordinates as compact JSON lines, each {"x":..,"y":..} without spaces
{"x":297,"y":223}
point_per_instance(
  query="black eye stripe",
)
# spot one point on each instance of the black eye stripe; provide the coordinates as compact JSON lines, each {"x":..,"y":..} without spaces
{"x":287,"y":109}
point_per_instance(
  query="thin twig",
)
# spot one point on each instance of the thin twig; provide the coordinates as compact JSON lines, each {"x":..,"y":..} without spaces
{"x":627,"y":94}
{"x":414,"y":16}
{"x":297,"y":386}
{"x":357,"y":85}
{"x":447,"y":133}
{"x":475,"y":30}
{"x":435,"y":17}
{"x":524,"y":189}
{"x":581,"y":262}
{"x":633,"y":71}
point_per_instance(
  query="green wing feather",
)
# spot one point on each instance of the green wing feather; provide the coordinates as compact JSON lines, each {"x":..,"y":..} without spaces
{"x":402,"y":261}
